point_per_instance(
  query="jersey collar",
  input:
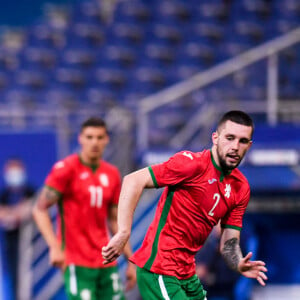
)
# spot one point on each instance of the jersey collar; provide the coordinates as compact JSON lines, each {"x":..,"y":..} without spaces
{"x":94,"y":167}
{"x":223,"y":174}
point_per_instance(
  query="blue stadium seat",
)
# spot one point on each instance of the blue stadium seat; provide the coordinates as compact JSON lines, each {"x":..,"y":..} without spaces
{"x":44,"y":35}
{"x":127,"y":33}
{"x":217,"y":12}
{"x":118,"y":56}
{"x":70,"y":77}
{"x":81,"y":34}
{"x":9,"y":60}
{"x":158,"y":54}
{"x":134,"y":12}
{"x":75,"y":57}
{"x":34,"y":80}
{"x":177,"y":11}
{"x":38,"y":58}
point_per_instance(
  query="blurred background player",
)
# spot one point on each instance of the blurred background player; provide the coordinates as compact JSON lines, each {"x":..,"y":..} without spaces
{"x":15,"y":208}
{"x":86,"y":189}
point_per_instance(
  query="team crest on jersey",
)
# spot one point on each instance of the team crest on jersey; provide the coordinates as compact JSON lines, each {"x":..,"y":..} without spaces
{"x":59,"y":164}
{"x":84,"y":175}
{"x":227,"y":190}
{"x":103,"y":178}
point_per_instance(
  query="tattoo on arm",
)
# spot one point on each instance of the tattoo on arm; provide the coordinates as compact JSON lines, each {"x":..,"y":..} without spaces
{"x":51,"y":195}
{"x":48,"y":197}
{"x":231,"y":253}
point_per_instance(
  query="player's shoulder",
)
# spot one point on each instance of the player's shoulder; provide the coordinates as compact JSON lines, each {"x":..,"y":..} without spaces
{"x":109,"y":167}
{"x":66,"y":162}
{"x":188,"y":155}
{"x":240,"y":177}
{"x":188,"y":161}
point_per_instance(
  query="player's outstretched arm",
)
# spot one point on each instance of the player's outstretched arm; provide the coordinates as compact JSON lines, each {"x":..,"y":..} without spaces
{"x":131,"y":191}
{"x":231,"y":252}
{"x":131,"y":270}
{"x":47,"y":198}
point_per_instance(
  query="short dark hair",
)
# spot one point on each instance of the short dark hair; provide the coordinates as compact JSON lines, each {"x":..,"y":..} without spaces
{"x":93,"y":122}
{"x":238,"y":117}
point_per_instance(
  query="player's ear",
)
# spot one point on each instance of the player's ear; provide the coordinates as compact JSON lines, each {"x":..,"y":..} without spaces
{"x":79,"y":139}
{"x":214,"y":137}
{"x":107,"y":139}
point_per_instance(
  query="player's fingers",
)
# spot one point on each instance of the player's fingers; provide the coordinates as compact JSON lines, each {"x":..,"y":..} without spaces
{"x":262,"y":275}
{"x":258,"y":263}
{"x":260,"y":280}
{"x":109,"y":259}
{"x":248,"y":257}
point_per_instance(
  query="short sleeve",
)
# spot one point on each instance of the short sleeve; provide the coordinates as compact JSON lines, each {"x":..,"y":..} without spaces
{"x":59,"y":176}
{"x":178,"y":169}
{"x":234,"y":218}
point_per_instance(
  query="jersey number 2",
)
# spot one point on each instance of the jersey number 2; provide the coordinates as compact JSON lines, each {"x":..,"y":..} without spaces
{"x":96,"y":194}
{"x":216,"y":197}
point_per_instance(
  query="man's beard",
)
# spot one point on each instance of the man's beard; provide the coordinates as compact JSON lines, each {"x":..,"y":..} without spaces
{"x":226,"y":168}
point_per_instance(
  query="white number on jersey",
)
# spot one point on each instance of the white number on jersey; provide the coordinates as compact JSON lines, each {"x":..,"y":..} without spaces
{"x":96,"y":194}
{"x":216,"y":197}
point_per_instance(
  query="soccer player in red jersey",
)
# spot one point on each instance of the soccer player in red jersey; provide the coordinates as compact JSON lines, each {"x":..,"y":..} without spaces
{"x":201,"y":189}
{"x":86,"y":189}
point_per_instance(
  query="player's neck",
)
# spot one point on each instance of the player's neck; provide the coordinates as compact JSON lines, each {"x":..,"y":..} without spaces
{"x":88,"y":160}
{"x":215,"y":156}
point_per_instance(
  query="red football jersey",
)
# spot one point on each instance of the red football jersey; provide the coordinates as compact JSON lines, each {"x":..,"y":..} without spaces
{"x":196,"y":197}
{"x":86,"y":195}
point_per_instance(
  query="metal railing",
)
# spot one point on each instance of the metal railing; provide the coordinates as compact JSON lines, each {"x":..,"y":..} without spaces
{"x":268,"y":50}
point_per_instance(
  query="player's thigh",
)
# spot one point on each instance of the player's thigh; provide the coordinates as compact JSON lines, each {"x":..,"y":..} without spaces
{"x":193,"y":288}
{"x":80,"y":283}
{"x":109,"y":285}
{"x":159,"y":287}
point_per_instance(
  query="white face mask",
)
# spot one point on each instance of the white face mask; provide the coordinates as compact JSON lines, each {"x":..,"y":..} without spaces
{"x":15,"y":177}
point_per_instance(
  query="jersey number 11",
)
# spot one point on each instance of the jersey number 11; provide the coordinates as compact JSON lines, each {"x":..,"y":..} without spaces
{"x":96,"y":194}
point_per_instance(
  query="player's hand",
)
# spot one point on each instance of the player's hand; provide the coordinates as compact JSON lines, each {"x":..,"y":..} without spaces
{"x":57,"y":257}
{"x":253,"y":269}
{"x":130,"y":276}
{"x":115,"y":247}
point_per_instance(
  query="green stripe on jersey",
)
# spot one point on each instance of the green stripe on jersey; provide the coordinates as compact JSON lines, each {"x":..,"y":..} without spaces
{"x":153,"y":177}
{"x":161,"y":224}
{"x":231,"y":226}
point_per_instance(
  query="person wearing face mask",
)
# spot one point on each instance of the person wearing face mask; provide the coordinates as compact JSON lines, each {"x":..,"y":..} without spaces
{"x":15,"y":208}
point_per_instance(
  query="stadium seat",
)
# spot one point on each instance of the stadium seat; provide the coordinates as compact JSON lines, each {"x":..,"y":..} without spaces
{"x":84,"y":34}
{"x":128,"y":33}
{"x":117,"y":55}
{"x":215,"y":12}
{"x":159,"y":54}
{"x":78,"y":57}
{"x":31,"y":79}
{"x":134,"y":12}
{"x":178,"y":11}
{"x":70,"y":77}
{"x":8,"y":60}
{"x":43,"y":35}
{"x":38,"y":57}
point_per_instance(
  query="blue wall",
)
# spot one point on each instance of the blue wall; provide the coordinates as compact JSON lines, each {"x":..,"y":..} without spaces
{"x":37,"y":149}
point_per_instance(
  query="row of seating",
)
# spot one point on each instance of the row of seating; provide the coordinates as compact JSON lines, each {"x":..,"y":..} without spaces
{"x":74,"y":56}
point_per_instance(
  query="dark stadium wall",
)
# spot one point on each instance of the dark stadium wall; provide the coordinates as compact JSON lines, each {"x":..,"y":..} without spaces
{"x":18,"y":13}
